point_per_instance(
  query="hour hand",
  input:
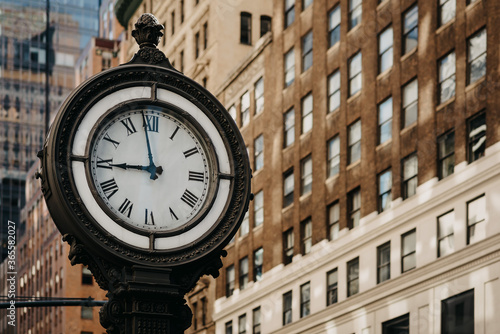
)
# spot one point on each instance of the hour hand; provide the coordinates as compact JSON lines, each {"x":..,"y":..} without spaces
{"x":126,"y":166}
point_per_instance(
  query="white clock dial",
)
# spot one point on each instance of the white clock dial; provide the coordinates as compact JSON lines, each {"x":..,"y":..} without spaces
{"x":151,"y":169}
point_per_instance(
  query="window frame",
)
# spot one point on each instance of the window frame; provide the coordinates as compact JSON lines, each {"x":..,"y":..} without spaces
{"x":289,"y":68}
{"x":242,"y":320}
{"x":352,"y":279}
{"x":245,"y":108}
{"x":256,"y":322}
{"x":406,"y":33}
{"x":406,"y":179}
{"x":245,"y":28}
{"x":259,"y":95}
{"x":287,"y":307}
{"x":332,"y":159}
{"x":306,"y":114}
{"x":388,"y":102}
{"x":387,"y":193}
{"x":258,"y":268}
{"x":334,"y":95}
{"x":258,"y":209}
{"x":334,"y":31}
{"x":353,"y":145}
{"x":306,"y":236}
{"x":386,"y":247}
{"x":305,"y":299}
{"x":230,"y":284}
{"x":229,"y":327}
{"x":307,"y":52}
{"x":441,"y":4}
{"x":355,"y":21}
{"x":243,"y":273}
{"x":451,"y":77}
{"x":352,"y":209}
{"x":332,"y":289}
{"x":476,"y":222}
{"x":409,"y":106}
{"x":354,"y":75}
{"x":288,"y":198}
{"x":333,"y":226}
{"x":442,"y":159}
{"x":289,"y":13}
{"x":470,"y":141}
{"x":483,"y":53}
{"x":288,"y":246}
{"x":447,"y":237}
{"x":288,"y":117}
{"x":258,"y":152}
{"x":306,"y":179}
{"x":412,"y":253}
{"x":388,"y":51}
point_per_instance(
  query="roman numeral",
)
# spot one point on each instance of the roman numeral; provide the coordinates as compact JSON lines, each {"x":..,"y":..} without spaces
{"x":103,"y":163}
{"x":127,"y":122}
{"x":196,"y":176}
{"x":152,"y":123}
{"x":172,"y":214}
{"x":173,"y":134}
{"x":108,"y":138}
{"x":126,"y":205}
{"x":189,"y":198}
{"x":149,"y":219}
{"x":109,"y":188}
{"x":190,"y":152}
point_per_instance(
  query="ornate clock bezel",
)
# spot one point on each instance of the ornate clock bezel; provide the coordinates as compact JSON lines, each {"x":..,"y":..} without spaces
{"x":194,"y":126}
{"x":65,"y":203}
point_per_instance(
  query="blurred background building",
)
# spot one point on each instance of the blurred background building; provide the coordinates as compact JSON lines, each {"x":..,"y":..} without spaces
{"x":372,"y":129}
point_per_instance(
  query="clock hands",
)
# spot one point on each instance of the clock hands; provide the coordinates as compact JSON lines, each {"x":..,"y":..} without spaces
{"x":152,"y":169}
{"x":157,"y":170}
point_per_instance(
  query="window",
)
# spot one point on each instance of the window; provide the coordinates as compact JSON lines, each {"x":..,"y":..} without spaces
{"x":410,"y":103}
{"x":245,"y":108}
{"x":331,"y":289}
{"x":229,"y":280}
{"x":246,"y":28}
{"x":232,"y":111}
{"x":334,"y":26}
{"x":446,"y":11}
{"x":288,"y":246}
{"x":182,"y":11}
{"x":259,"y":95}
{"x":229,"y":327}
{"x":410,"y":175}
{"x":305,"y":299}
{"x":447,"y":77}
{"x":306,"y":175}
{"x":355,"y":75}
{"x":385,"y":53}
{"x":265,"y":24}
{"x":399,"y":325}
{"x":410,"y":29}
{"x":384,"y":262}
{"x":172,"y":22}
{"x":333,"y":156}
{"x":476,"y":128}
{"x":203,"y":311}
{"x":306,"y":3}
{"x":195,"y":315}
{"x":476,"y":56}
{"x":258,"y":153}
{"x":289,"y":12}
{"x":289,"y":128}
{"x":288,"y":186}
{"x":242,"y":324}
{"x":86,"y":276}
{"x":476,"y":215}
{"x":446,"y":243}
{"x":289,"y":67}
{"x":354,"y":149}
{"x":353,"y":277}
{"x":385,"y":121}
{"x":181,"y":55}
{"x":307,"y":51}
{"x":243,"y":277}
{"x":333,"y":220}
{"x":86,"y":312}
{"x":334,"y":91}
{"x":287,"y":308}
{"x":354,"y":206}
{"x":307,"y":113}
{"x":256,"y":320}
{"x":384,"y":190}
{"x":245,"y":226}
{"x":197,"y":45}
{"x":306,"y":229}
{"x":355,"y":11}
{"x":258,"y":209}
{"x":258,"y":260}
{"x":205,"y":35}
{"x":457,"y":313}
{"x":408,"y":251}
{"x":446,"y":154}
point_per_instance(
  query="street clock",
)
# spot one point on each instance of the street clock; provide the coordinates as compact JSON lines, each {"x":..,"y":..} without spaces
{"x":144,"y":167}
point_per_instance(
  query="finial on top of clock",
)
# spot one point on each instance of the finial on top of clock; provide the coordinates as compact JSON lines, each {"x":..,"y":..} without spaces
{"x":147,"y":30}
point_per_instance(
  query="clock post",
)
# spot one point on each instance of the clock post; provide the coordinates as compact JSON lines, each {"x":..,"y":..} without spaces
{"x":147,"y":178}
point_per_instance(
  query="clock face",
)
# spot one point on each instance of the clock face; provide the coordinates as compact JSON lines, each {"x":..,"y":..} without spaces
{"x":150,"y":168}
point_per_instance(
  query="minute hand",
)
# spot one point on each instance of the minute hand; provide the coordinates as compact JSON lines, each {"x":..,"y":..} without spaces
{"x":151,"y":168}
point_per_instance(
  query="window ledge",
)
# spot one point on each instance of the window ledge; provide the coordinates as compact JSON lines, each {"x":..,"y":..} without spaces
{"x":446,"y":25}
{"x":304,"y":135}
{"x":333,"y":47}
{"x":384,"y":144}
{"x":331,"y":179}
{"x":408,"y":54}
{"x":288,"y":148}
{"x":408,"y":128}
{"x":305,"y":196}
{"x":256,"y":228}
{"x":355,"y":96}
{"x":356,"y":28}
{"x":385,"y":73}
{"x":354,"y":164}
{"x":382,"y":4}
{"x":473,"y":85}
{"x":472,"y":5}
{"x":445,"y":104}
{"x":287,"y":208}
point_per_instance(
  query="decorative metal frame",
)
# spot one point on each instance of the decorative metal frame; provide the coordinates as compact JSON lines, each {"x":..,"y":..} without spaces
{"x":146,"y":287}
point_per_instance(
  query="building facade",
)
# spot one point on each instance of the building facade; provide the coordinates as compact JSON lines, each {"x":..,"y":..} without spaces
{"x":375,"y":172}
